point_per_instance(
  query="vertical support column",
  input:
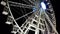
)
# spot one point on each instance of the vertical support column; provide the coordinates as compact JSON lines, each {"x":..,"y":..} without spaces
{"x":36,"y":31}
{"x":27,"y":29}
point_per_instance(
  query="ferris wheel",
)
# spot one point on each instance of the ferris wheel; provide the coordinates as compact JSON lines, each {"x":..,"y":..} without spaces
{"x":30,"y":16}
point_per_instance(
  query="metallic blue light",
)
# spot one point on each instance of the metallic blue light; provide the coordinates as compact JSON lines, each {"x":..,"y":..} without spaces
{"x":34,"y":9}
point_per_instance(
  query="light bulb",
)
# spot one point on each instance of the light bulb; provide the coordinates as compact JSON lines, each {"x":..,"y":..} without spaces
{"x":8,"y":22}
{"x":43,"y":5}
{"x":5,"y":13}
{"x":3,"y":3}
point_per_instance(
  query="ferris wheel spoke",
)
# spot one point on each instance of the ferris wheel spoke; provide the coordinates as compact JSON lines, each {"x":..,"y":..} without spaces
{"x":31,"y":1}
{"x":13,"y":17}
{"x":19,"y":5}
{"x":26,"y":1}
{"x":23,"y":16}
{"x":25,"y":13}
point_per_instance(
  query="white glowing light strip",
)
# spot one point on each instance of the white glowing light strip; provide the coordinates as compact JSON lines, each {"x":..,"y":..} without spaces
{"x":43,"y":5}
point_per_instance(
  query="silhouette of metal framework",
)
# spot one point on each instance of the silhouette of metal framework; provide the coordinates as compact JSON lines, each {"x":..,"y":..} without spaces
{"x":37,"y":21}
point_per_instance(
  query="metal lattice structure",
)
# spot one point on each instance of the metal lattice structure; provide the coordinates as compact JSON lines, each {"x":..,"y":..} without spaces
{"x":41,"y":21}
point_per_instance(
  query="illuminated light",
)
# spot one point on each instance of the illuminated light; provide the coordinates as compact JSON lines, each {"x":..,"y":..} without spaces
{"x":34,"y":9}
{"x":48,"y":3}
{"x":8,"y":22}
{"x":13,"y":32}
{"x":3,"y":3}
{"x":5,"y":13}
{"x":46,"y":0}
{"x":43,"y":5}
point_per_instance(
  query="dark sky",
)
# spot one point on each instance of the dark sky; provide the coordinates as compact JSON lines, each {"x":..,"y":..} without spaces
{"x":56,"y":7}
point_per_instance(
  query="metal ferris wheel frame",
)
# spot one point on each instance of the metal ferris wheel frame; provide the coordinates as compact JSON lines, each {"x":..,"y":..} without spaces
{"x":36,"y":14}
